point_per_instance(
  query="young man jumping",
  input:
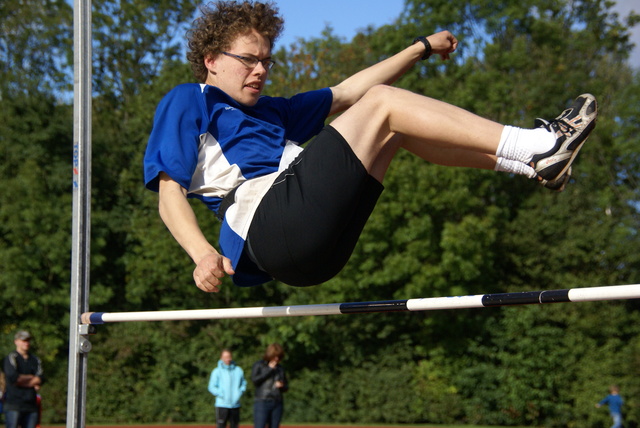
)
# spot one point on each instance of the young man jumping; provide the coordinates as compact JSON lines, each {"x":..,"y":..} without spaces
{"x":296,"y":214}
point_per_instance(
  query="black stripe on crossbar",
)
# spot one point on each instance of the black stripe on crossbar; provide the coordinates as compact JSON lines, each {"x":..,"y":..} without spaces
{"x":382,"y":306}
{"x":526,"y":298}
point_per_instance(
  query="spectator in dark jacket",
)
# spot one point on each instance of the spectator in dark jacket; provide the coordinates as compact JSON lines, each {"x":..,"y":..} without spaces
{"x":24,"y":376}
{"x":270,"y":381}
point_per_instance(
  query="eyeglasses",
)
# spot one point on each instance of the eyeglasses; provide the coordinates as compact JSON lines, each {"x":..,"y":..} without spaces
{"x":250,"y":62}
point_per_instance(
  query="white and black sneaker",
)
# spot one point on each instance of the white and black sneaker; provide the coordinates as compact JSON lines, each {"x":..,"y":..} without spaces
{"x":559,"y":183}
{"x":571,"y":129}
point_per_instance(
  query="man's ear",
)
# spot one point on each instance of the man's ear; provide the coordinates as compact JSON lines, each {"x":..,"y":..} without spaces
{"x":209,"y":62}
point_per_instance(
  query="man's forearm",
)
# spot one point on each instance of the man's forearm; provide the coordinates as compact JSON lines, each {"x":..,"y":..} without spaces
{"x":387,"y":71}
{"x":28,"y":381}
{"x":178,"y":216}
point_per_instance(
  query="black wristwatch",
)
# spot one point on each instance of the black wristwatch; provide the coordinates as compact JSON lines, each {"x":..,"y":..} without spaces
{"x":427,"y":46}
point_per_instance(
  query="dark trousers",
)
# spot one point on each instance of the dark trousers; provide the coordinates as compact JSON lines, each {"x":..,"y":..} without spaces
{"x":267,"y":413}
{"x":13,"y":419}
{"x":224,"y":415}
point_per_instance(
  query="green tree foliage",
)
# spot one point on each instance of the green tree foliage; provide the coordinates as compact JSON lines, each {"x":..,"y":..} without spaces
{"x":35,"y":43}
{"x":435,"y":232}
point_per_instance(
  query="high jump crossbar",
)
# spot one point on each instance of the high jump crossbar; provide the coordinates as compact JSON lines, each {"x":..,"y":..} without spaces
{"x":588,"y":294}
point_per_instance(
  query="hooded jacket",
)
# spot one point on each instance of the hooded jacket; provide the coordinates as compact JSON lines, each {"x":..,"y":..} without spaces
{"x":227,"y":384}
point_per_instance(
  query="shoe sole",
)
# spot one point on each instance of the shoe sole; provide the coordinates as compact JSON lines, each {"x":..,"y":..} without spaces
{"x":559,"y":184}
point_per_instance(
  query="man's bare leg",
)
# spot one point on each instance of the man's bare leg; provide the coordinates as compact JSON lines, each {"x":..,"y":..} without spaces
{"x":423,"y":124}
{"x":387,"y":119}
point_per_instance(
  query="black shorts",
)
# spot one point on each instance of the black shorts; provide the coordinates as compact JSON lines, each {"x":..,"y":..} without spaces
{"x":308,"y":223}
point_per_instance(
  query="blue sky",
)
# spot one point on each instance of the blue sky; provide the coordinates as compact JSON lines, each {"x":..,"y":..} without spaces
{"x":307,"y":18}
{"x":623,"y":7}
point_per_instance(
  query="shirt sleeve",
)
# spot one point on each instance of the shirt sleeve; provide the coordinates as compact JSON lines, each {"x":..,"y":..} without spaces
{"x":40,"y":371}
{"x":260,"y":373}
{"x":285,"y":381}
{"x":306,"y":113}
{"x":243,"y":382}
{"x":214,"y":383}
{"x":173,"y":144}
{"x":10,"y":369}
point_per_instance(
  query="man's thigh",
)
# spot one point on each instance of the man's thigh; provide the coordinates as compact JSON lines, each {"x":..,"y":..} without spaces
{"x":307,"y":224}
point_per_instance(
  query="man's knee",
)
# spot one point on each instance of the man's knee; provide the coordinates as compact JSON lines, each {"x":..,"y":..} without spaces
{"x":381,"y":94}
{"x":373,"y":109}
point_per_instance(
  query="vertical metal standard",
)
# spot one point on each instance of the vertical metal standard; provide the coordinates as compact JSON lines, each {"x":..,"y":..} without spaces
{"x":79,"y":345}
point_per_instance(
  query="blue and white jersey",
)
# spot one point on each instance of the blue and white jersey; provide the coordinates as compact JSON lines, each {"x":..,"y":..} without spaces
{"x":210,"y":144}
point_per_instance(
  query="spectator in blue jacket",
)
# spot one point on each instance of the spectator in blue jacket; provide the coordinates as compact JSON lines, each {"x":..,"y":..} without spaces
{"x":227,"y":384}
{"x":615,"y":402}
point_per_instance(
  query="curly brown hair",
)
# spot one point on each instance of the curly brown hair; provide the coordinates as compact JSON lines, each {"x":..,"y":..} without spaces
{"x":221,"y":22}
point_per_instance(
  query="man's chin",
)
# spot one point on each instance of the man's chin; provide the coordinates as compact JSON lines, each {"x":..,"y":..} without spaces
{"x":249,"y":102}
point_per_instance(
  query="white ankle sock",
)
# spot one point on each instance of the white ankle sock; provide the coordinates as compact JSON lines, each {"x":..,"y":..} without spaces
{"x":514,"y":167}
{"x":520,"y":144}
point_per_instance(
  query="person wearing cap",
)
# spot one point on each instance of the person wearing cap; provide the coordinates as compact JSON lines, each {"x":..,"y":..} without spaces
{"x":24,"y":376}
